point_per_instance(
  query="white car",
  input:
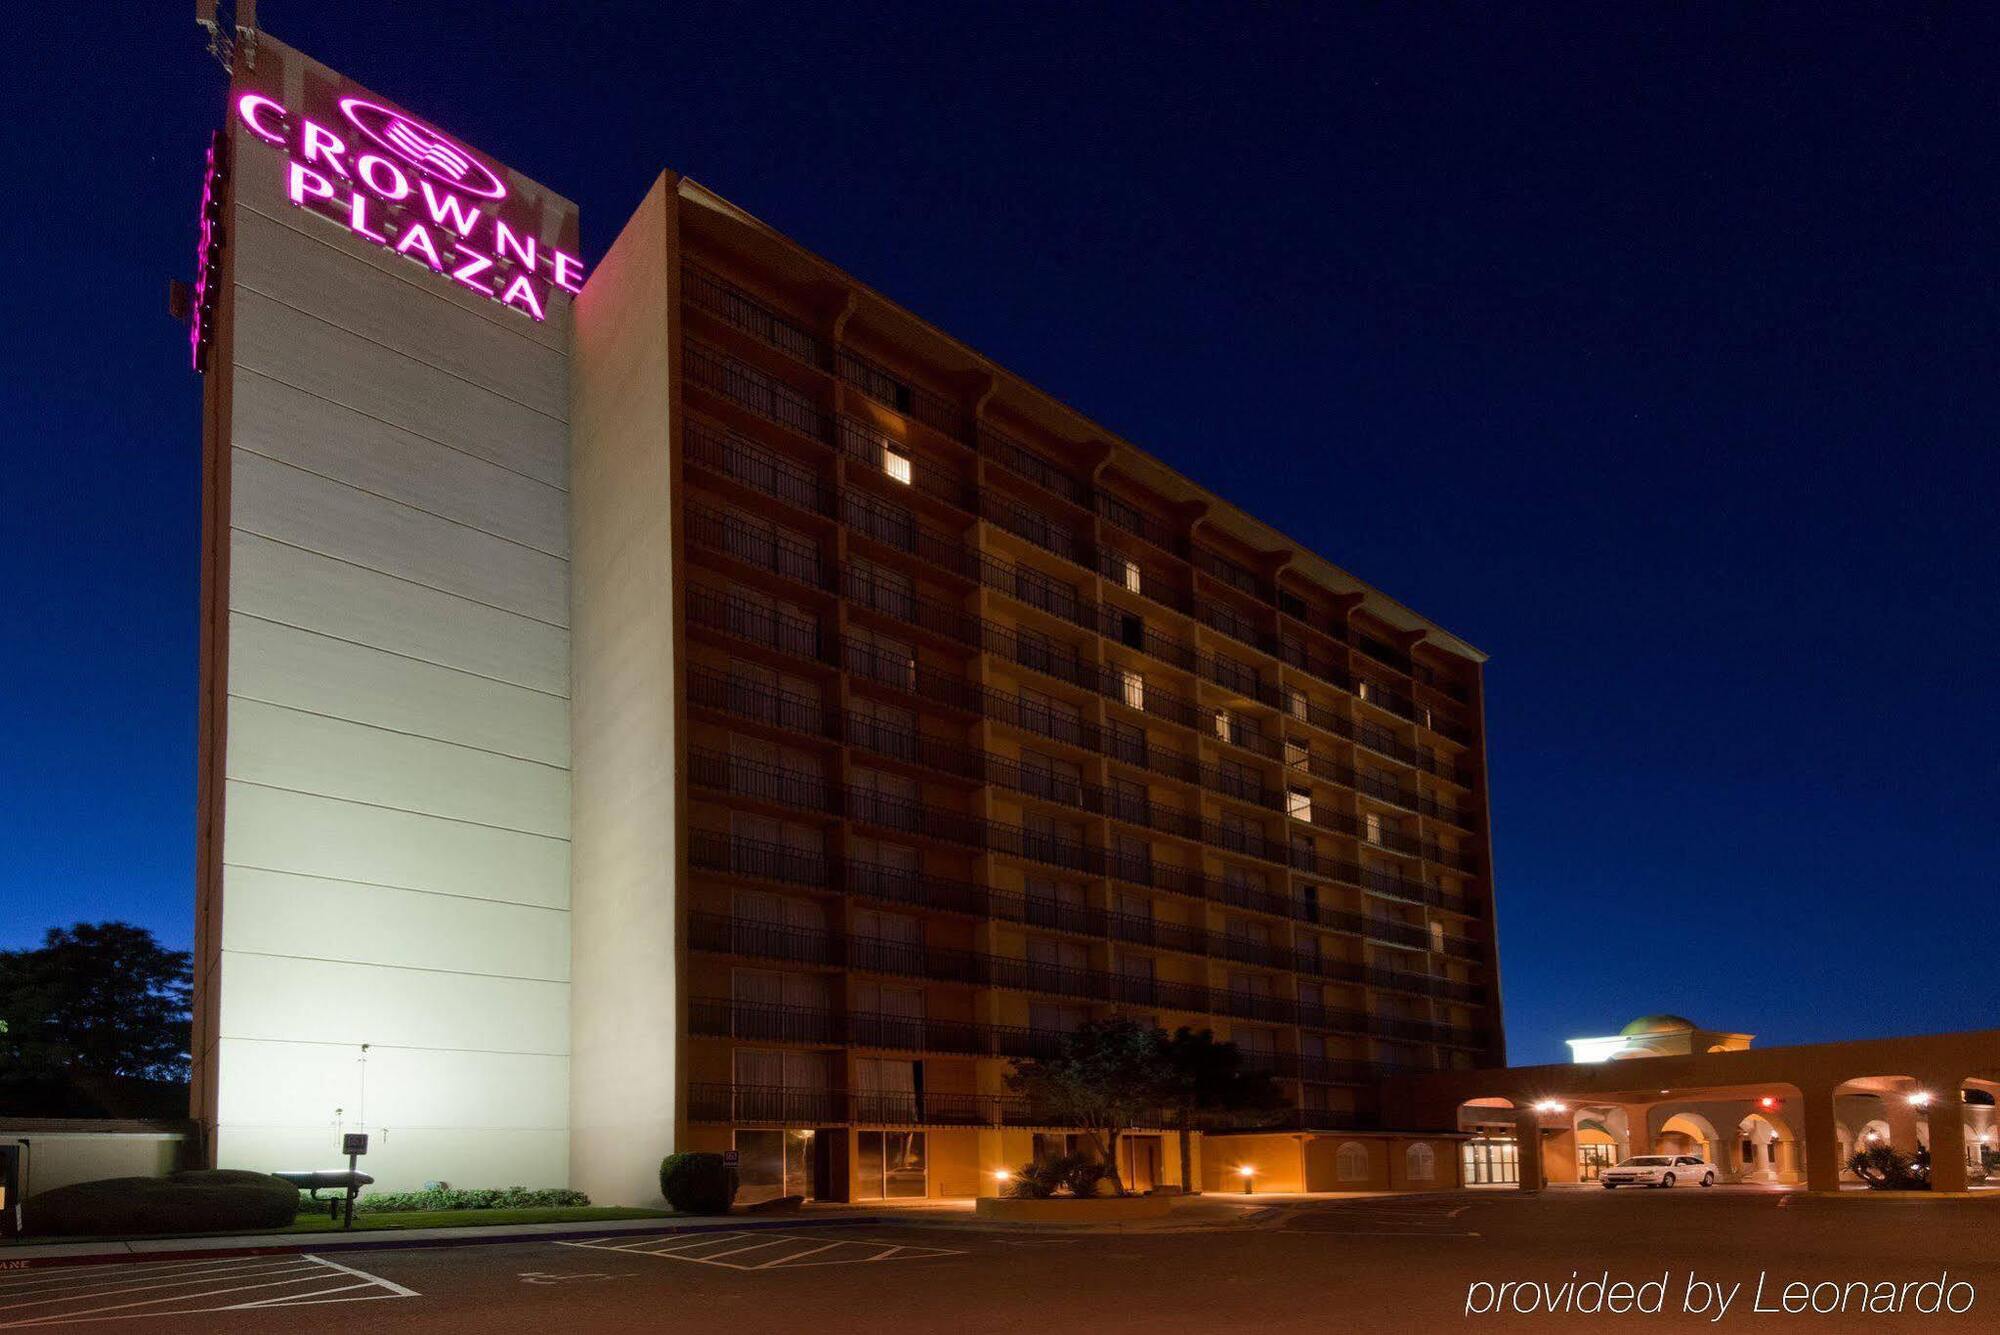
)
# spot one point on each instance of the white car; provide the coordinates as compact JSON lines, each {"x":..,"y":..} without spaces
{"x":1660,"y":1170}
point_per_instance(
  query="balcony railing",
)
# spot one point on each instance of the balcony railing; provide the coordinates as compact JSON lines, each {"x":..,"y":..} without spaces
{"x":789,"y":1106}
{"x":755,"y":391}
{"x":755,"y":938}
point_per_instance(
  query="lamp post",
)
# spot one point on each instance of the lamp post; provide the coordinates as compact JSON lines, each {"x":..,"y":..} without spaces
{"x":1247,"y":1173}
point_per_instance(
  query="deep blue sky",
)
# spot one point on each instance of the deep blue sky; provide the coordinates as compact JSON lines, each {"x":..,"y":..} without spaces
{"x":1650,"y":348}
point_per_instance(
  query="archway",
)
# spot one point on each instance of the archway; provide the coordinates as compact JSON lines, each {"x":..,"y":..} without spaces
{"x":1760,"y":1153}
{"x":1492,"y":1156}
{"x":1688,"y":1133}
{"x":1603,"y":1137}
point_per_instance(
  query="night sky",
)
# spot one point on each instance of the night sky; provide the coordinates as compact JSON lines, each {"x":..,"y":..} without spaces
{"x":1649,"y":348}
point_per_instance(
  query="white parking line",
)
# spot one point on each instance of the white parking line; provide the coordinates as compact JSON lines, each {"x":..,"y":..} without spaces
{"x":843,"y":1251}
{"x":186,"y":1288}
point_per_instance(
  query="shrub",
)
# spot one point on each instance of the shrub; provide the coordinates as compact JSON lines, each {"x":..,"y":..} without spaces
{"x":1083,"y":1175}
{"x":198,"y":1201}
{"x":1037,"y":1181}
{"x":1885,"y":1169}
{"x":457,"y":1198}
{"x":698,"y":1183}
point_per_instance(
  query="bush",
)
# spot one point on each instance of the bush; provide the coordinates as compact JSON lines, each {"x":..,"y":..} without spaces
{"x":1885,"y":1169}
{"x":1041,"y":1179}
{"x":199,"y":1201}
{"x":1037,"y":1181}
{"x":697,"y":1183}
{"x":456,"y":1198}
{"x":1083,"y":1175}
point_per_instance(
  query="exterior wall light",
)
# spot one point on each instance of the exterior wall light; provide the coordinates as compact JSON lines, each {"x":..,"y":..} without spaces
{"x":1551,"y":1106}
{"x":1002,"y":1176}
{"x":1920,"y":1099}
{"x":1247,"y":1173}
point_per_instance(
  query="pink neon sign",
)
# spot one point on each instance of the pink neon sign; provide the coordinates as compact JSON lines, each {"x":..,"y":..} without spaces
{"x":413,"y":189}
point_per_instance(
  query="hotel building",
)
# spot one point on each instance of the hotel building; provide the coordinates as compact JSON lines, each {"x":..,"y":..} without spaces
{"x":699,"y":704}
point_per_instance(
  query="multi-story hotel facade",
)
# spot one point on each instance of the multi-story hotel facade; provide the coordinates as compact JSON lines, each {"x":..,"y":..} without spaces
{"x":698,"y":704}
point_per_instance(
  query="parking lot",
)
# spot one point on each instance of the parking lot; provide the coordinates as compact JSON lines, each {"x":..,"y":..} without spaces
{"x":1379,"y":1264}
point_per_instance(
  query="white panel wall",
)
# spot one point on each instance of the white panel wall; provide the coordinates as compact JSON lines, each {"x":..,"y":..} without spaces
{"x":395,"y":945}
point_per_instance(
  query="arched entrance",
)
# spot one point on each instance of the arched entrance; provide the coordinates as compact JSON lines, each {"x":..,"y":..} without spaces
{"x":1492,"y":1157}
{"x":1689,"y":1133}
{"x":1760,"y":1153}
{"x":1603,"y":1137}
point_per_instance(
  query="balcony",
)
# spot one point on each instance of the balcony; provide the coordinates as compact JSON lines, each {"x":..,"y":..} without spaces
{"x":891,"y":390}
{"x":754,"y":391}
{"x":787,"y":1106}
{"x":707,"y":290}
{"x":754,"y":938}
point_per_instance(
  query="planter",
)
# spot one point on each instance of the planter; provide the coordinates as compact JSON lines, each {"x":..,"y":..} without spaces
{"x":1072,"y":1210}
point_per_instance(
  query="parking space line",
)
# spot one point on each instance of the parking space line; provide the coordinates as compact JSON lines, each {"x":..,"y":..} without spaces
{"x":186,"y":1288}
{"x":797,"y":1256}
{"x":86,"y":1276}
{"x":737,"y":1251}
{"x":841,"y":1251}
{"x":98,"y":1290}
{"x":395,"y":1290}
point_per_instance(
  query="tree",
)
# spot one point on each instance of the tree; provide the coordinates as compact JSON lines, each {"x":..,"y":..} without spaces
{"x":1104,"y":1078}
{"x":1208,"y":1076}
{"x":98,"y":999}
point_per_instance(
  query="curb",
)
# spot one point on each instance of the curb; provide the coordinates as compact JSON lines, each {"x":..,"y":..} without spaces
{"x":1903,"y":1197}
{"x":386,"y":1240}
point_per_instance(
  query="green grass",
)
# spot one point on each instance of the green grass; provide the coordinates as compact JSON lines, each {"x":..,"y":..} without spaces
{"x":389,"y":1219}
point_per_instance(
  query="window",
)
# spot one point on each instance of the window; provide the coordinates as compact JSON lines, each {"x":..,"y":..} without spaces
{"x":1295,"y":702}
{"x":1351,"y":1163}
{"x":1437,"y":936}
{"x":896,"y":465}
{"x":1420,"y":1162}
{"x":1131,"y":689}
{"x":1127,"y":571}
{"x":1371,"y":824}
{"x":891,"y":1164}
{"x":1299,"y":802}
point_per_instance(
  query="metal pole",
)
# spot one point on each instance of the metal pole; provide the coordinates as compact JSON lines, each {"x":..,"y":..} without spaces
{"x":352,"y":1190}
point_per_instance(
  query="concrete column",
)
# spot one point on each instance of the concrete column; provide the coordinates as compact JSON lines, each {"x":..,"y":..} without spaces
{"x":1947,"y":1137}
{"x":1821,"y":1146}
{"x":1528,"y":1141}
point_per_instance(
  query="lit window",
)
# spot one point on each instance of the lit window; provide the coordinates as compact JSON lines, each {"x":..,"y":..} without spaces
{"x":1372,"y":823}
{"x":1365,"y":689}
{"x":1222,"y":723}
{"x":1295,"y":701}
{"x":896,"y":466}
{"x":1298,"y":802}
{"x":1130,"y":573}
{"x":1132,"y":688}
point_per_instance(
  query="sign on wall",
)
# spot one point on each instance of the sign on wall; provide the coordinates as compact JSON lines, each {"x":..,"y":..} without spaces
{"x":389,"y":178}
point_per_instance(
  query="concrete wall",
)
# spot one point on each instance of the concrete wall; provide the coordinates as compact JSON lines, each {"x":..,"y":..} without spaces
{"x":57,"y":1155}
{"x":384,"y":935}
{"x":628,"y":994}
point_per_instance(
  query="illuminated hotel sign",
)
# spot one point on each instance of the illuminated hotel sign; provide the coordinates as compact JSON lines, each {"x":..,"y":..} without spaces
{"x":393,"y":180}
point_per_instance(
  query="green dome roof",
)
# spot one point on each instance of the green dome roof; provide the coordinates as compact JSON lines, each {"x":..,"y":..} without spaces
{"x":1658,"y":1024}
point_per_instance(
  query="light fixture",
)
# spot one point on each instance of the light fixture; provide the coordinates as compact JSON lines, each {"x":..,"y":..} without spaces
{"x":1920,"y":1099}
{"x":1767,"y":1102}
{"x":1550,"y":1106}
{"x":1248,"y":1172}
{"x":1002,"y":1175}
